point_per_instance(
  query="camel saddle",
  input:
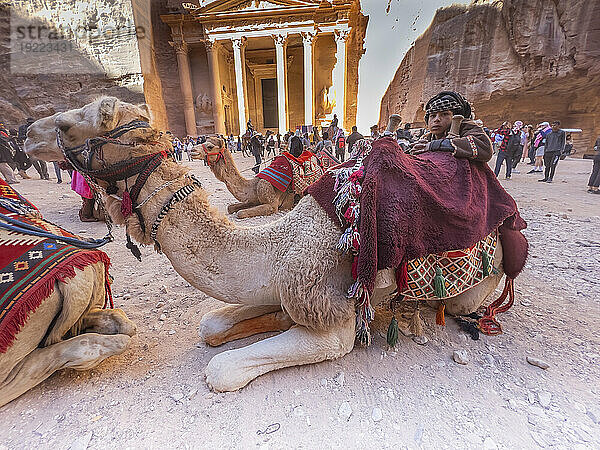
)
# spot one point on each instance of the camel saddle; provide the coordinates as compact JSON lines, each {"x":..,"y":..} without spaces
{"x":30,"y":265}
{"x":288,"y":172}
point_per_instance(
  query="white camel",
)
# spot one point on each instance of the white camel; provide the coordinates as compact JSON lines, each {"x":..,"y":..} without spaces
{"x":286,"y":274}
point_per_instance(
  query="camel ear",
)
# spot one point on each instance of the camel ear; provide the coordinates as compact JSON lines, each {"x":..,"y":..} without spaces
{"x":145,"y":112}
{"x":108,"y":111}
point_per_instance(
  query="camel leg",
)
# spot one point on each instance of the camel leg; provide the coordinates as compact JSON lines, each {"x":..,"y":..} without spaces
{"x":216,"y":324}
{"x":235,"y":207}
{"x":233,"y":369}
{"x":108,"y":321}
{"x":260,"y":210}
{"x":80,"y":352}
{"x":275,"y":321}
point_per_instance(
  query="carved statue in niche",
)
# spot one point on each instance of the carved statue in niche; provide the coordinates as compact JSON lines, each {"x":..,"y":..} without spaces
{"x":326,"y":101}
{"x":204,"y":104}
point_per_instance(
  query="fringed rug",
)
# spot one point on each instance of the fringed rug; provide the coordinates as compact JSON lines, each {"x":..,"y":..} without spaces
{"x":31,"y":265}
{"x":288,"y":171}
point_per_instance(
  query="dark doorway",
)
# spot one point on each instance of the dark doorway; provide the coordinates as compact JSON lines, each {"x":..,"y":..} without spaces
{"x":269,"y":100}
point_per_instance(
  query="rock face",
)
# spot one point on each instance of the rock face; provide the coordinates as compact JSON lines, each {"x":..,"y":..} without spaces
{"x":514,"y":60}
{"x":103,"y":59}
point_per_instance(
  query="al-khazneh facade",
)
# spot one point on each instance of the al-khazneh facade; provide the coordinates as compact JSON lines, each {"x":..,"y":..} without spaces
{"x":279,"y":63}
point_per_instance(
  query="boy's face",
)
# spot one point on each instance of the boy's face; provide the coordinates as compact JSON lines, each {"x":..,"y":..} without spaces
{"x":439,"y":122}
{"x":555,"y":126}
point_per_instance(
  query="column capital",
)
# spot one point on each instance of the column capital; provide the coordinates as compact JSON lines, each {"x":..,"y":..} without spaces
{"x":238,"y":43}
{"x":181,"y":48}
{"x":308,"y":37}
{"x":280,"y":39}
{"x":341,"y":35}
{"x":211,"y":44}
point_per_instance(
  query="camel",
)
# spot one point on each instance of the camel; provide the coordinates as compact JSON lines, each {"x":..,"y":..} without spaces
{"x":256,"y":197}
{"x":284,"y":275}
{"x":69,"y":330}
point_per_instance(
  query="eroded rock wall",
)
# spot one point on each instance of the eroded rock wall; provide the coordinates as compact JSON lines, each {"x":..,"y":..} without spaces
{"x":54,"y":85}
{"x":529,"y":60}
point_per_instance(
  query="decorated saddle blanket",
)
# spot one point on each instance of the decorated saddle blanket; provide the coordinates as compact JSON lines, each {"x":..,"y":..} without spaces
{"x":460,"y":270}
{"x":31,"y":265}
{"x":396,"y":209}
{"x":287,"y":171}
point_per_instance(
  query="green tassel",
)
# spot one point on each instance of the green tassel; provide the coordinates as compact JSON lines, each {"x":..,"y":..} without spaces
{"x":392,"y":334}
{"x":486,"y":263}
{"x":439,"y":284}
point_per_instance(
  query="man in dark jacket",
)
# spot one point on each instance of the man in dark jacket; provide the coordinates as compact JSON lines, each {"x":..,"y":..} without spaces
{"x":353,"y":138}
{"x":256,"y":147}
{"x":555,"y":145}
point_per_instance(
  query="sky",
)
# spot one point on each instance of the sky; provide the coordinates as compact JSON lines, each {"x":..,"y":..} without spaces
{"x":389,"y":36}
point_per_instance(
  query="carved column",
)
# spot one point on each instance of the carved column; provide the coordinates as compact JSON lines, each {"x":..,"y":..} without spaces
{"x":307,"y":39}
{"x":212,"y":51}
{"x":185,"y":82}
{"x":280,"y":51}
{"x":239,"y":82}
{"x":339,"y":76}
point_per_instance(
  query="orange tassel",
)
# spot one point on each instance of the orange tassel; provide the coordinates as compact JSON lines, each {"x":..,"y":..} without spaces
{"x":439,"y":317}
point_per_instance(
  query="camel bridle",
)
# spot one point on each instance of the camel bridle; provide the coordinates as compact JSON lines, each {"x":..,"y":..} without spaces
{"x":141,"y":167}
{"x":207,"y":154}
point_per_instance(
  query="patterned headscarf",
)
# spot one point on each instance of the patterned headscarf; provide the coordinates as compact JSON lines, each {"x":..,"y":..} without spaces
{"x":448,"y":101}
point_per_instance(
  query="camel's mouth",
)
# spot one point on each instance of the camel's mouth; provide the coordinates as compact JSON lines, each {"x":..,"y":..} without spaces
{"x":42,"y":150}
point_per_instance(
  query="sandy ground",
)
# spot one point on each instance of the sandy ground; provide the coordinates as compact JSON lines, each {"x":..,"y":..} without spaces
{"x":154,"y":395}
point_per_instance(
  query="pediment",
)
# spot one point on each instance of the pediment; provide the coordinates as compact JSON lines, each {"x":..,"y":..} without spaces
{"x":225,"y":6}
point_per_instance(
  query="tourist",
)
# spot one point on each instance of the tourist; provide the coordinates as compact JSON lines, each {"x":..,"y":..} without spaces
{"x":555,"y":145}
{"x":539,"y":146}
{"x":334,"y":122}
{"x":503,"y":152}
{"x":340,"y":145}
{"x":189,"y":147}
{"x":177,"y":149}
{"x":57,"y":171}
{"x":270,"y":143}
{"x":6,"y":159}
{"x":527,"y":144}
{"x":256,"y":149}
{"x":594,"y":181}
{"x":324,"y":152}
{"x":296,"y":146}
{"x":375,"y":131}
{"x":353,"y":138}
{"x":239,"y":144}
{"x":515,"y":144}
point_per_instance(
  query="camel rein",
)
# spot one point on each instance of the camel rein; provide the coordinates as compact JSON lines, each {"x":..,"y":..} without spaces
{"x":141,"y":167}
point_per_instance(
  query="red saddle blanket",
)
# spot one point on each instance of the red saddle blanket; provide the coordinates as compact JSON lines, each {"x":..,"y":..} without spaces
{"x":414,"y":206}
{"x":31,"y":265}
{"x":286,"y":170}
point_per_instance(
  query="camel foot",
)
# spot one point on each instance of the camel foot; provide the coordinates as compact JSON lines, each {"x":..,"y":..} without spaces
{"x":216,"y":327}
{"x":235,"y":207}
{"x":81,"y":352}
{"x":260,"y":210}
{"x":234,"y":369}
{"x":108,"y":321}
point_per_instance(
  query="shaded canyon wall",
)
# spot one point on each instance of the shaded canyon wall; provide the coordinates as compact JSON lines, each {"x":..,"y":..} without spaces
{"x":523,"y":60}
{"x":103,"y":60}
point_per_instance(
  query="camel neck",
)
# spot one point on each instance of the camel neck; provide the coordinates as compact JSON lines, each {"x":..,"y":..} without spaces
{"x":226,"y":171}
{"x":200,"y":242}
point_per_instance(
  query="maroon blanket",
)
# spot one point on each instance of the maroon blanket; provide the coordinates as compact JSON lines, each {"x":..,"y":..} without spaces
{"x":413,"y":206}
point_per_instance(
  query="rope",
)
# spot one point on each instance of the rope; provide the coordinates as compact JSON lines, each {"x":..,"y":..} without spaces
{"x":25,"y":228}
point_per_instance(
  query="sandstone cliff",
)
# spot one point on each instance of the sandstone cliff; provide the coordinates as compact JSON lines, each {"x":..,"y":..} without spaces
{"x":531,"y":60}
{"x":103,"y":57}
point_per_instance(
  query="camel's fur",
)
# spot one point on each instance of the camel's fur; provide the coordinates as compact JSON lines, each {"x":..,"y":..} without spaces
{"x":80,"y":334}
{"x":291,"y":263}
{"x":256,"y":197}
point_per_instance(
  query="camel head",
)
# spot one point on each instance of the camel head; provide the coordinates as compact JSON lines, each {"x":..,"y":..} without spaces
{"x":77,"y":125}
{"x":210,"y":151}
{"x":41,"y":140}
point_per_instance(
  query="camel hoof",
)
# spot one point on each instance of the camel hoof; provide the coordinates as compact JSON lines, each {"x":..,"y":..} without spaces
{"x":211,"y":326}
{"x":224,"y":374}
{"x":231,"y":209}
